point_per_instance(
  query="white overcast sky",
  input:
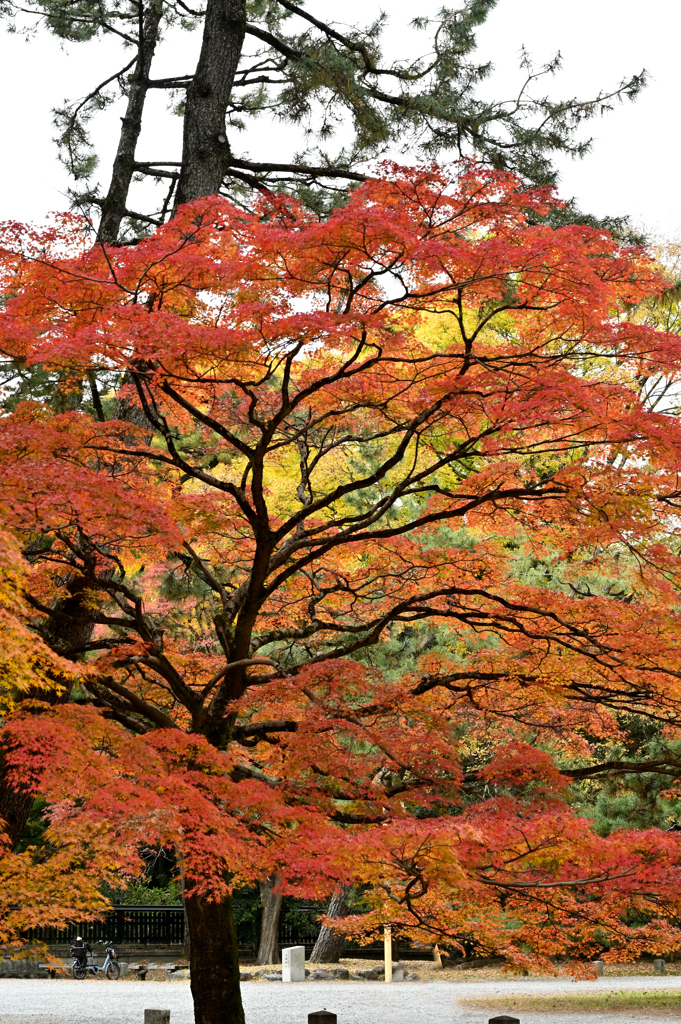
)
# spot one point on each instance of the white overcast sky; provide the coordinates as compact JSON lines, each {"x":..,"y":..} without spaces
{"x":632,"y":169}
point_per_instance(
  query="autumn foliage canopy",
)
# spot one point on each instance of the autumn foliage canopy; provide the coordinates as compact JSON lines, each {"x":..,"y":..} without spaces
{"x":419,"y":423}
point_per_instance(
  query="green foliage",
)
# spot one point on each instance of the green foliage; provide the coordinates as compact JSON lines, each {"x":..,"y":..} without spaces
{"x":324,"y":79}
{"x":143,"y":894}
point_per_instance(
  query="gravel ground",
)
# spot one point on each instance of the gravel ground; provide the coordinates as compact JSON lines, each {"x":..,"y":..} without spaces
{"x":101,"y":1002}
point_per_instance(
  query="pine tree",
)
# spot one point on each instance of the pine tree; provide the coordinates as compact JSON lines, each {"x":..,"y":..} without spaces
{"x":275,"y":58}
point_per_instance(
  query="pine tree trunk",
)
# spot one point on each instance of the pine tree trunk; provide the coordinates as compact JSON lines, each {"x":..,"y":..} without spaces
{"x":116,"y":201}
{"x":205,"y":152}
{"x":268,"y":950}
{"x":214,"y":965}
{"x":330,"y":944}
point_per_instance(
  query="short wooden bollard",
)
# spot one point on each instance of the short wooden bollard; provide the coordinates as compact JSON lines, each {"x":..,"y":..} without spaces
{"x":157,"y":1017}
{"x":659,"y":967}
{"x":387,"y":953}
{"x":322,"y":1017}
{"x":504,"y":1019}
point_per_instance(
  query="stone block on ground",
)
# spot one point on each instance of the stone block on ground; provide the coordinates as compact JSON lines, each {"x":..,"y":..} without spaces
{"x":157,"y":1017}
{"x":322,"y":1017}
{"x":412,"y":976}
{"x":293,"y":963}
{"x":319,"y":974}
{"x":398,"y":972}
{"x":659,"y":967}
{"x":271,"y":977}
{"x":599,"y":965}
{"x":341,"y":973}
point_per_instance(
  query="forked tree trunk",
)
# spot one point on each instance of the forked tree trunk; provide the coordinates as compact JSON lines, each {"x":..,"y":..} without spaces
{"x":270,"y":898}
{"x":330,"y":944}
{"x":205,"y":151}
{"x":115,"y":204}
{"x":214,"y":963}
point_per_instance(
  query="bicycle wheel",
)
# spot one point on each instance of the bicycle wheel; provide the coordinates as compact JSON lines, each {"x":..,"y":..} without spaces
{"x":78,"y":972}
{"x":113,"y":971}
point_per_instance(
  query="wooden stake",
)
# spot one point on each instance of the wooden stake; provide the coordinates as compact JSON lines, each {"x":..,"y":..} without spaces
{"x":388,"y":952}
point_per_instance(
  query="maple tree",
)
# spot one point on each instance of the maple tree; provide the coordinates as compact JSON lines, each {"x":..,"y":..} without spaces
{"x":325,"y":647}
{"x":38,"y":886}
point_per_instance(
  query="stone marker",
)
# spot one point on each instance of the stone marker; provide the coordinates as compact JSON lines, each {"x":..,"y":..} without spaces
{"x":504,"y":1019}
{"x":322,"y":1017}
{"x":659,"y":967}
{"x":398,"y":971}
{"x":599,"y":965}
{"x":157,"y":1017}
{"x":293,"y":963}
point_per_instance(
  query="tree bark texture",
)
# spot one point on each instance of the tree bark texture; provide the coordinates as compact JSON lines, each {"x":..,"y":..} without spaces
{"x":268,"y":950}
{"x":205,"y":152}
{"x":15,"y":805}
{"x":214,"y":963}
{"x":330,"y":944}
{"x":116,"y":201}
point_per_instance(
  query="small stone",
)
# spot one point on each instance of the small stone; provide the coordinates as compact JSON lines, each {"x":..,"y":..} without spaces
{"x":157,"y":1017}
{"x":370,"y":973}
{"x":271,"y":977}
{"x":398,"y":972}
{"x":245,"y":976}
{"x":180,"y":975}
{"x":342,"y":973}
{"x":659,"y":967}
{"x":320,"y":975}
{"x":412,"y":977}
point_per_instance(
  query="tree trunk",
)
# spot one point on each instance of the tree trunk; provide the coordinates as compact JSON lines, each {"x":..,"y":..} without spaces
{"x":268,"y":950}
{"x":205,"y":152}
{"x":115,"y":203}
{"x":214,"y":965}
{"x":330,"y":944}
{"x":15,"y":805}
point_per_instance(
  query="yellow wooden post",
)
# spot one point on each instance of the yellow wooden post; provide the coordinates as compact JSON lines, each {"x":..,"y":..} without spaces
{"x":388,"y":952}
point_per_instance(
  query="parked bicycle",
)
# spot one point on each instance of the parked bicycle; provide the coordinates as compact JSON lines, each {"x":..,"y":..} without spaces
{"x":84,"y":961}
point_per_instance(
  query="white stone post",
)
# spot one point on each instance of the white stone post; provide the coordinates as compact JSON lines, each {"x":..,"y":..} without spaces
{"x":293,"y":963}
